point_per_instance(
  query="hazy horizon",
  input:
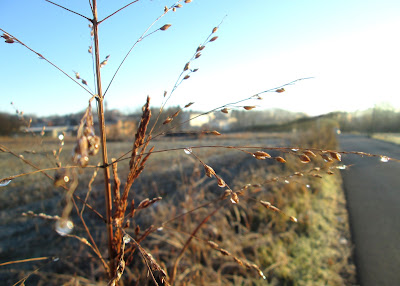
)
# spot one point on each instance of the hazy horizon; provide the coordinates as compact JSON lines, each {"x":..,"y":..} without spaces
{"x":349,"y":48}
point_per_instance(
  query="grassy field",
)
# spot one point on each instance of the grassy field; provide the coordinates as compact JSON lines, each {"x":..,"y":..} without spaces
{"x":314,"y":251}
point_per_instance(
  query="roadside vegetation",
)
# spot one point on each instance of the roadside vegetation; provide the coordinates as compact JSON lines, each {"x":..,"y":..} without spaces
{"x":244,"y":208}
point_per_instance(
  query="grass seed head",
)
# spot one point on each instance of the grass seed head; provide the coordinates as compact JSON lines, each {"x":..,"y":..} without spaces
{"x":200,"y":48}
{"x":212,"y":244}
{"x":176,"y":113}
{"x":280,"y":90}
{"x":224,"y":252}
{"x":309,"y":153}
{"x":280,"y":159}
{"x":209,"y":171}
{"x":249,"y":107}
{"x":189,"y":104}
{"x":186,"y":76}
{"x":168,"y":120}
{"x":214,"y":30}
{"x":186,"y":66}
{"x":234,"y":198}
{"x":225,"y":110}
{"x":293,"y":219}
{"x":326,"y":157}
{"x":336,"y":156}
{"x":198,"y":55}
{"x":266,"y":204}
{"x":213,"y":39}
{"x":304,"y":159}
{"x":165,"y":27}
{"x":221,"y":183}
{"x":261,"y":155}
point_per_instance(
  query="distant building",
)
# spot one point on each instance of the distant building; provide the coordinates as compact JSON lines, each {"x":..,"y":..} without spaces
{"x":52,"y":131}
{"x":121,"y":129}
{"x":213,"y":120}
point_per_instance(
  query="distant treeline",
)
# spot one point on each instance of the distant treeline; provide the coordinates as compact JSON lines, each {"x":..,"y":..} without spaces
{"x":378,"y":119}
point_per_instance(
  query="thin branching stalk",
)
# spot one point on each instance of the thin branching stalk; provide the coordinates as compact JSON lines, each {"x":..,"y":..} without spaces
{"x":178,"y":259}
{"x":107,"y":181}
{"x":50,"y":62}
{"x":69,"y":10}
{"x":120,"y":9}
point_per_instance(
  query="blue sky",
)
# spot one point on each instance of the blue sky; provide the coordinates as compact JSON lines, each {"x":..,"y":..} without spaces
{"x":351,"y":48}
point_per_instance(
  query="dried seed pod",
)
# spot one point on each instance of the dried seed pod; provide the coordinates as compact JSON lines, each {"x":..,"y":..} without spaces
{"x":174,"y":9}
{"x":178,"y":6}
{"x":94,"y":145}
{"x":176,"y":113}
{"x":266,"y":204}
{"x":293,"y":219}
{"x":280,"y":159}
{"x":9,"y":41}
{"x":189,"y":104}
{"x":165,"y":9}
{"x":213,"y":39}
{"x":304,"y":159}
{"x":168,"y":120}
{"x":249,"y":107}
{"x":280,"y":90}
{"x":238,"y":261}
{"x":6,"y":36}
{"x":200,"y":48}
{"x":137,"y":230}
{"x":215,"y":132}
{"x":274,"y":209}
{"x":221,"y":183}
{"x":198,"y":55}
{"x":144,"y":204}
{"x":224,"y":252}
{"x":234,"y":198}
{"x":309,"y":153}
{"x":195,"y":70}
{"x":212,"y":244}
{"x":84,"y":82}
{"x":261,"y":155}
{"x":209,"y":171}
{"x":103,"y":63}
{"x":188,"y":1}
{"x":186,"y":66}
{"x":336,"y":156}
{"x":330,"y":172}
{"x":326,"y":157}
{"x":225,"y":110}
{"x":165,"y":27}
{"x":77,"y":76}
{"x":298,"y":174}
{"x":186,"y":76}
{"x":214,"y":30}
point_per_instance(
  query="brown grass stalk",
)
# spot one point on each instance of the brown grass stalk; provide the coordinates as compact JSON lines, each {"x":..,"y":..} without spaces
{"x":193,"y":234}
{"x":103,"y":140}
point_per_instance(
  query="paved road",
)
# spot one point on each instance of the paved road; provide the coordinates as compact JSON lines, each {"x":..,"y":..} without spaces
{"x":373,"y":197}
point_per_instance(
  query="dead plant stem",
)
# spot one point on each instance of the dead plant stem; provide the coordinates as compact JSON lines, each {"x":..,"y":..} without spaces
{"x":100,"y":111}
